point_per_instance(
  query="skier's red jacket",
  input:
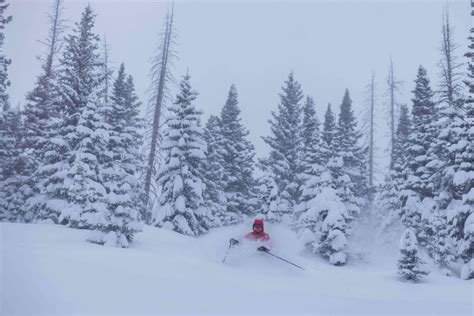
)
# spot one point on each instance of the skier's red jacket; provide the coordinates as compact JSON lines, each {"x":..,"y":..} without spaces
{"x":258,"y":236}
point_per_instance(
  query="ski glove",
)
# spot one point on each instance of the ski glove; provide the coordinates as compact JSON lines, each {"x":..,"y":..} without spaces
{"x":233,"y":241}
{"x":263,"y":248}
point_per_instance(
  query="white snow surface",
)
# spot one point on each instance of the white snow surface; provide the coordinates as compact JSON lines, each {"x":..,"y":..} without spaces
{"x":51,"y":270}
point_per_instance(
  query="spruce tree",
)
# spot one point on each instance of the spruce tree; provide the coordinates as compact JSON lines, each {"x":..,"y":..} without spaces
{"x":181,"y":205}
{"x":388,"y":199}
{"x":311,"y":160}
{"x":410,"y":265}
{"x":14,"y":163}
{"x":285,"y":144}
{"x":387,"y":210}
{"x":333,"y":217}
{"x":5,"y":142}
{"x":125,"y":196}
{"x":348,"y":167}
{"x":267,"y":194}
{"x":457,"y":191}
{"x":79,"y":84}
{"x":438,"y":244}
{"x":310,"y":126}
{"x":401,"y":141}
{"x":417,"y":170}
{"x":4,"y":61}
{"x":469,"y":81}
{"x":462,"y":230}
{"x":213,"y":171}
{"x":42,"y":113}
{"x":329,"y":135}
{"x":15,"y":186}
{"x":42,"y":102}
{"x":238,"y":155}
{"x":322,"y":216}
{"x":84,"y":180}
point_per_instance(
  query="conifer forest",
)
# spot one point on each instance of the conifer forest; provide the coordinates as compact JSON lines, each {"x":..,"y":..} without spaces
{"x":121,"y":182}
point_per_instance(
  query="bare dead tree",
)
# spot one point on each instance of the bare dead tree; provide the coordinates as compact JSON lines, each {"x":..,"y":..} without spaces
{"x":54,"y":40}
{"x":450,"y":87}
{"x":161,"y":78}
{"x":371,"y":133}
{"x":393,"y":89}
{"x":368,"y":128}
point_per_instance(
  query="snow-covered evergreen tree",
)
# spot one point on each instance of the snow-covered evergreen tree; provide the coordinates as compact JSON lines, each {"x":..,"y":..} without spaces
{"x":388,"y":198}
{"x":42,"y":102}
{"x":42,"y":113}
{"x":96,"y":197}
{"x":322,"y":217}
{"x":310,"y":126}
{"x":5,"y":142}
{"x":387,"y":210}
{"x":349,"y":148}
{"x":14,"y":163}
{"x":401,"y":141}
{"x":329,"y":135}
{"x":267,"y":194}
{"x":410,"y":265}
{"x":349,"y":165}
{"x":213,"y":171}
{"x":469,"y":81}
{"x":84,"y":182}
{"x":420,"y":164}
{"x":4,"y":61}
{"x":311,"y":160}
{"x":457,"y":193}
{"x":15,"y":183}
{"x":311,"y":152}
{"x":238,"y":154}
{"x":71,"y":170}
{"x":125,"y":196}
{"x":435,"y":231}
{"x":285,"y":144}
{"x":333,"y":216}
{"x":461,"y":221}
{"x":181,"y":205}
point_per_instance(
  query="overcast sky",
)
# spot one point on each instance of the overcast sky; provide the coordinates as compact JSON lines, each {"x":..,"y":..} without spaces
{"x":330,"y":46}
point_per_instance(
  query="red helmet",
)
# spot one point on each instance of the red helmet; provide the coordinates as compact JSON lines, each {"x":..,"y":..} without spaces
{"x":258,"y":222}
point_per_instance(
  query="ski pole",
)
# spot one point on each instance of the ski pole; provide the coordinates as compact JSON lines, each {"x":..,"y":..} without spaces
{"x":271,"y":254}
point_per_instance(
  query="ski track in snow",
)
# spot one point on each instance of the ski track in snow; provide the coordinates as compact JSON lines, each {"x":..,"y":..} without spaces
{"x":52,"y":270}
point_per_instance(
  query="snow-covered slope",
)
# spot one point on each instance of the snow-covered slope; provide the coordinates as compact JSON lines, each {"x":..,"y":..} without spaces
{"x":51,"y":270}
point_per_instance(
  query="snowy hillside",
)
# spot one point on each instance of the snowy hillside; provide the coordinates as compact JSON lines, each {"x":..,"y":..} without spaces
{"x":49,"y":269}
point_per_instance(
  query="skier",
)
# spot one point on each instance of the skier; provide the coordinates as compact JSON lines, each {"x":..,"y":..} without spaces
{"x":257,"y":234}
